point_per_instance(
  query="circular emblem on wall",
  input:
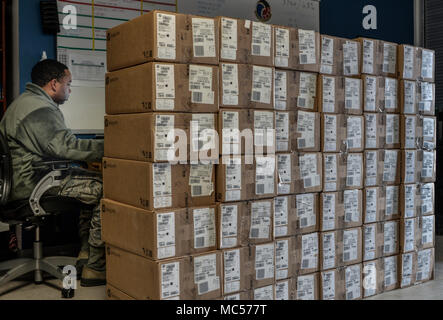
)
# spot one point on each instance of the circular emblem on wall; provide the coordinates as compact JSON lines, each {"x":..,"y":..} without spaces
{"x":263,"y":10}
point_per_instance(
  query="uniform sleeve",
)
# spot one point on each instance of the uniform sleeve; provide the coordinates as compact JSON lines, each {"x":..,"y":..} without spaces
{"x":44,"y":132}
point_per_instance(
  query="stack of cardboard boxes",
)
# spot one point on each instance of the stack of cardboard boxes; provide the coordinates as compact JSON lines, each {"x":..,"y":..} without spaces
{"x":303,"y":189}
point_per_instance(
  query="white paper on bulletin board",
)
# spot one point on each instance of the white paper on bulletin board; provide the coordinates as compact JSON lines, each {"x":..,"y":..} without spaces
{"x":293,"y":13}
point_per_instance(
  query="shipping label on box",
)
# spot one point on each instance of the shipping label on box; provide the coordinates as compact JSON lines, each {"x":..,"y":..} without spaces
{"x":285,"y":219}
{"x":245,"y":295}
{"x":409,"y":97}
{"x":235,"y":40}
{"x":263,"y":256}
{"x":308,"y":287}
{"x":284,"y":52}
{"x":369,"y":56}
{"x":410,"y":131}
{"x":262,"y":88}
{"x":390,"y":273}
{"x":408,"y":66}
{"x":285,"y":132}
{"x":391,"y":238}
{"x":391,"y":167}
{"x":353,"y":282}
{"x":425,"y":265}
{"x":353,"y":200}
{"x":351,"y":58}
{"x":428,"y":133}
{"x":285,"y":289}
{"x":332,"y":62}
{"x":374,"y":204}
{"x":392,"y":197}
{"x":207,"y":271}
{"x":332,"y":285}
{"x":262,"y":44}
{"x":427,"y":160}
{"x":331,"y":211}
{"x":375,"y":130}
{"x":373,"y":93}
{"x":426,"y":232}
{"x":392,"y":132}
{"x":329,"y":248}
{"x":232,"y":221}
{"x":307,"y":213}
{"x":374,"y":168}
{"x":409,"y":232}
{"x":391,"y":95}
{"x":285,"y":258}
{"x":237,"y":270}
{"x":373,"y":237}
{"x":350,"y":250}
{"x":307,"y":95}
{"x":261,"y":225}
{"x":426,"y":197}
{"x":426,"y":60}
{"x":354,"y":171}
{"x":388,"y":59}
{"x":372,"y":275}
{"x":307,"y":253}
{"x":335,"y":172}
{"x":353,"y":96}
{"x":409,"y":200}
{"x":286,"y":90}
{"x":334,"y":132}
{"x":426,"y":98}
{"x":308,"y":131}
{"x":264,"y":293}
{"x":410,"y":166}
{"x":331,"y":92}
{"x":355,"y":133}
{"x":308,"y":55}
{"x":407,"y":269}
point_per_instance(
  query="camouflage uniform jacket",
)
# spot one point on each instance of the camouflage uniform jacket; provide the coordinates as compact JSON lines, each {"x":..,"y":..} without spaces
{"x":35,"y":129}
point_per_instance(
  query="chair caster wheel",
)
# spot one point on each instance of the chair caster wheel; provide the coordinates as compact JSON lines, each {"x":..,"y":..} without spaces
{"x":68,"y":293}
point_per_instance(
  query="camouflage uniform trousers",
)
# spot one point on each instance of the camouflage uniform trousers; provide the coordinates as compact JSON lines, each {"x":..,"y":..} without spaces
{"x":87,"y":187}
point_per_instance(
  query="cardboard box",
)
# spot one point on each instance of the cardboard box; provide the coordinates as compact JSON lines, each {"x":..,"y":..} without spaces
{"x":418,"y":132}
{"x":331,"y":55}
{"x":374,"y":167}
{"x":113,"y":293}
{"x":308,"y":56}
{"x":285,"y":289}
{"x":390,"y":273}
{"x":370,"y":54}
{"x":332,"y":285}
{"x":390,"y":238}
{"x":285,"y":131}
{"x":353,"y":204}
{"x":372,"y":275}
{"x":426,"y":61}
{"x":308,"y":131}
{"x":375,"y":130}
{"x":308,"y":287}
{"x":159,"y":234}
{"x":145,"y":279}
{"x":352,"y":62}
{"x":426,"y":232}
{"x":342,"y":133}
{"x":354,"y":171}
{"x":329,"y":249}
{"x":408,"y":64}
{"x":244,"y":178}
{"x":237,"y":270}
{"x":426,"y":98}
{"x":307,"y":253}
{"x":353,"y":285}
{"x":332,"y":211}
{"x":285,"y":261}
{"x":387,"y":59}
{"x":261,"y":223}
{"x":373,"y":237}
{"x":245,"y":295}
{"x":235,"y":82}
{"x":350,"y":249}
{"x":285,"y":216}
{"x":410,"y":166}
{"x":331,"y":94}
{"x":235,"y":40}
{"x":263,"y":257}
{"x":151,"y":137}
{"x":299,"y":172}
{"x":392,"y":132}
{"x":428,"y":133}
{"x":246,"y":132}
{"x":425,"y":265}
{"x":335,"y":171}
{"x":426,"y":199}
{"x":410,"y":201}
{"x":427,"y":169}
{"x":408,"y":96}
{"x":407,"y":269}
{"x":373,"y":93}
{"x":233,"y":220}
{"x":261,"y":87}
{"x":374,"y":204}
{"x":261,"y":43}
{"x":158,"y":185}
{"x":264,"y":293}
{"x":162,"y":87}
{"x":170,"y":37}
{"x":306,"y":213}
{"x":286,"y":48}
{"x":409,"y":235}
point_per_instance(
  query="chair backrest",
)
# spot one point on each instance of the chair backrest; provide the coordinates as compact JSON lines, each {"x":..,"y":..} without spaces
{"x":5,"y":171}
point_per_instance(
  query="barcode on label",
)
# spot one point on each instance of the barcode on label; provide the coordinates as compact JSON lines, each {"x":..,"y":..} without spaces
{"x":390,"y":139}
{"x":256,"y":50}
{"x":350,"y":295}
{"x":260,"y":274}
{"x":419,"y":276}
{"x":254,"y":233}
{"x":196,"y":190}
{"x":348,"y":104}
{"x":347,"y":256}
{"x":387,"y":248}
{"x":302,"y":143}
{"x":308,"y":182}
{"x":350,"y":181}
{"x":304,"y":59}
{"x":304,"y":222}
{"x":203,"y":287}
{"x":199,"y":242}
{"x":388,"y":281}
{"x":256,"y":95}
{"x":199,"y":51}
{"x":260,"y":189}
{"x":305,"y":264}
{"x":197,"y":96}
{"x":301,"y":102}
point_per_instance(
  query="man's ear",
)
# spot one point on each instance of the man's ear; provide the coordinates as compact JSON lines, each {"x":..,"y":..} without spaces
{"x":53,"y":85}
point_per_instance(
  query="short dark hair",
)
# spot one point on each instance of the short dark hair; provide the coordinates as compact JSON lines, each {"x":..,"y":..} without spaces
{"x":47,"y":70}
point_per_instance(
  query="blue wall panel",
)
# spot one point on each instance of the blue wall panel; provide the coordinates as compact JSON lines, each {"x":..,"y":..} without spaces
{"x":343,"y":18}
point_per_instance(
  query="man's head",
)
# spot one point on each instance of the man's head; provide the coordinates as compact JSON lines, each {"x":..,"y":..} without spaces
{"x":53,"y":77}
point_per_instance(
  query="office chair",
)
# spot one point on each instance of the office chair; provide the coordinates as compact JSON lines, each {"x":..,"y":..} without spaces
{"x":33,"y":211}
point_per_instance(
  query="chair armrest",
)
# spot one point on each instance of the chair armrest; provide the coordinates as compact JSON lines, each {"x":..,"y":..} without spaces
{"x":53,"y":164}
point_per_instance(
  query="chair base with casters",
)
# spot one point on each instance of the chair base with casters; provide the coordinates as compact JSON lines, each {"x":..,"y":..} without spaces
{"x":34,"y":211}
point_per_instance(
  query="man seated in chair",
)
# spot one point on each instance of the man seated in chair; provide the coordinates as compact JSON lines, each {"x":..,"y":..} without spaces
{"x":35,"y":130}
